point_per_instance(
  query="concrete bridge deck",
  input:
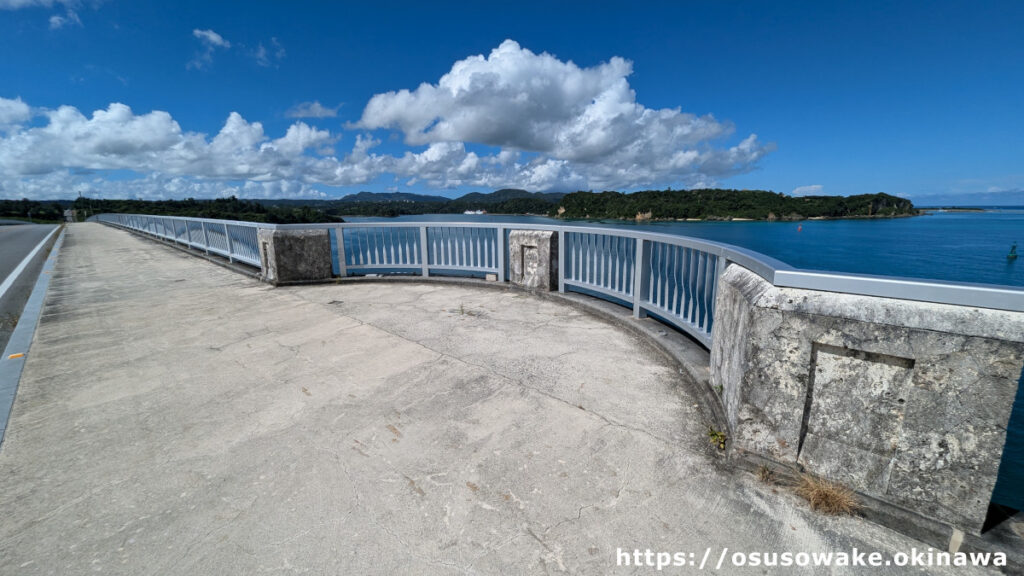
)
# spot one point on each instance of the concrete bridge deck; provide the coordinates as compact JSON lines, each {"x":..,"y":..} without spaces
{"x":175,"y":417}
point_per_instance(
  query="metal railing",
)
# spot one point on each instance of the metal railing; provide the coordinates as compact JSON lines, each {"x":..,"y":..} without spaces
{"x":232,"y":239}
{"x":674,"y":278}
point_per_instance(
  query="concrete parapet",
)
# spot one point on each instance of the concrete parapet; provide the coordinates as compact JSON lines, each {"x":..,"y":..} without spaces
{"x":906,"y":402}
{"x":294,"y":256}
{"x":533,"y":259}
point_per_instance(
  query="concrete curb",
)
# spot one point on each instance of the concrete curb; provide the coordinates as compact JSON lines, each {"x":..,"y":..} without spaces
{"x":16,"y":353}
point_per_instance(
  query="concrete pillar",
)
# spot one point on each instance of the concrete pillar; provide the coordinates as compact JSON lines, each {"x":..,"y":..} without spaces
{"x":533,"y":259}
{"x":294,"y":256}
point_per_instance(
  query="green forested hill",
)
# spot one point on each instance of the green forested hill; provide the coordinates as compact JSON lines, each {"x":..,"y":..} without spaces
{"x":222,"y":208}
{"x":715,"y":204}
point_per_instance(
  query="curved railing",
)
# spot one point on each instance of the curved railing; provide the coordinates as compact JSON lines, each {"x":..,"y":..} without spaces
{"x":671,"y":277}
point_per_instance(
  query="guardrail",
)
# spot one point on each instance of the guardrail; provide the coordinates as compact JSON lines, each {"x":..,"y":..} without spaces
{"x":671,"y":277}
{"x":232,"y":239}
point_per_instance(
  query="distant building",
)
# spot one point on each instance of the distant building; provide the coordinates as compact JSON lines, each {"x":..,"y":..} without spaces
{"x":70,"y":215}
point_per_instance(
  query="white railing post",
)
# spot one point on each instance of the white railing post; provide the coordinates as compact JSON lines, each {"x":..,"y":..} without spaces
{"x":641,"y":276}
{"x":231,"y":250}
{"x":424,"y":252}
{"x":501,"y":253}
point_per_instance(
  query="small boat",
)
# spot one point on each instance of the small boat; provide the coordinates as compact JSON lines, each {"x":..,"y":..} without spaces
{"x":1013,"y":252}
{"x":475,"y":212}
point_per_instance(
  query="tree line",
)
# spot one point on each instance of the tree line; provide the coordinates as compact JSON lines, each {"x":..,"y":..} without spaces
{"x":220,"y":208}
{"x":703,"y":204}
{"x":717,"y":204}
{"x":31,"y":210}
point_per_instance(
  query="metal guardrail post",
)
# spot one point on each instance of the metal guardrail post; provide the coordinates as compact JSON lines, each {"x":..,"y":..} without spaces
{"x":641,"y":276}
{"x":424,"y":251}
{"x":206,"y":237}
{"x":231,"y":250}
{"x":501,"y":253}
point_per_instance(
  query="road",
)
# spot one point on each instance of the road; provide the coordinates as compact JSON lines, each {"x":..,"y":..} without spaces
{"x":17,"y":242}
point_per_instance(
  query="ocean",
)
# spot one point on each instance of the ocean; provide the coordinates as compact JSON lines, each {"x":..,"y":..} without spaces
{"x":950,"y":246}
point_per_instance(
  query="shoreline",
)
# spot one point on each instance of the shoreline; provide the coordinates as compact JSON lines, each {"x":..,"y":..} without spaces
{"x":643,"y":220}
{"x":738,"y":219}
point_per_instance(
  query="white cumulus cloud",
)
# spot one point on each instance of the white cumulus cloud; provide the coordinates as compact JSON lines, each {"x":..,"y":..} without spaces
{"x":512,"y":119}
{"x":71,"y":143}
{"x":13,"y":111}
{"x":585,"y":122}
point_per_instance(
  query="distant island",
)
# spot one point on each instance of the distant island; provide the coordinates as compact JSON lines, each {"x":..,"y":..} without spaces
{"x":704,"y":204}
{"x":952,"y":209}
{"x":717,"y":204}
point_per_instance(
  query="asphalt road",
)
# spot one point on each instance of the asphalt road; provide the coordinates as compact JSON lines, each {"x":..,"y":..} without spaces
{"x":16,"y":242}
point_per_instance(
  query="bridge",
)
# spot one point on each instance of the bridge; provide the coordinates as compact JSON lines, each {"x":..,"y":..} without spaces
{"x":175,"y":416}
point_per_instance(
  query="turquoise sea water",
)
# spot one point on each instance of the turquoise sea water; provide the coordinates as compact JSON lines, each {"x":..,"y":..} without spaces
{"x":951,"y":246}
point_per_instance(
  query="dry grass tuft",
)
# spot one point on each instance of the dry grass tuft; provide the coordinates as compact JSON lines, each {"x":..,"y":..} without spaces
{"x":766,"y":475}
{"x":827,"y":497}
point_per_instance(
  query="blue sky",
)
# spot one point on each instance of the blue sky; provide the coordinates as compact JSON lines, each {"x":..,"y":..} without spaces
{"x":305,"y":99}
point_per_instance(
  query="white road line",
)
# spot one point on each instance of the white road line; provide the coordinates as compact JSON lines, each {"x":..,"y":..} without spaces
{"x":24,"y":263}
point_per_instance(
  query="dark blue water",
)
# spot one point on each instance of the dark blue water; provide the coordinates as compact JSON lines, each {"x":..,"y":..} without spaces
{"x":952,"y":246}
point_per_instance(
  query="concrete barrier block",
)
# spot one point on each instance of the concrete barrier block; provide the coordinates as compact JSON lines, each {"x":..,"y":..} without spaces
{"x":294,"y":256}
{"x":906,"y":402}
{"x":533,"y":259}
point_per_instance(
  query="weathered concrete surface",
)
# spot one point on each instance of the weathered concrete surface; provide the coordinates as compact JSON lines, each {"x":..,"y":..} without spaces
{"x":904,"y":401}
{"x":533,"y":259}
{"x":176,"y":418}
{"x":294,"y":256}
